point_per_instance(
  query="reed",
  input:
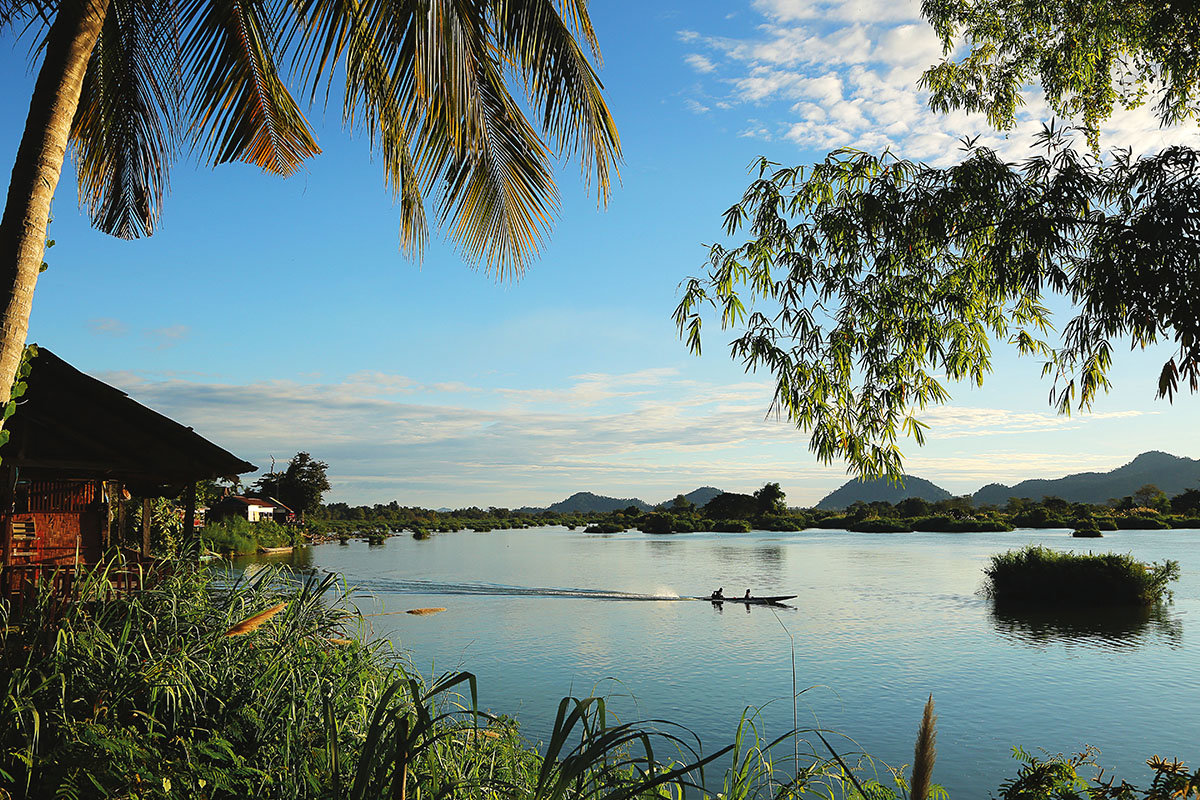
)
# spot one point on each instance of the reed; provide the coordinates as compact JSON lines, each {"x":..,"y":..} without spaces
{"x":251,"y":624}
{"x":924,"y":754}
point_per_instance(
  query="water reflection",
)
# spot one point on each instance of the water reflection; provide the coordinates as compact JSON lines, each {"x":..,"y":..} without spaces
{"x":1113,"y":627}
{"x":659,"y":547}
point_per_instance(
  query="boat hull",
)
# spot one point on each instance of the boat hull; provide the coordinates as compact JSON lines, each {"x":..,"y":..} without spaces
{"x":752,"y":601}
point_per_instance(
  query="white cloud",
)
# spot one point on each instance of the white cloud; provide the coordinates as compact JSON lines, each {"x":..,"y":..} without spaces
{"x":699,"y":63}
{"x":848,"y":70}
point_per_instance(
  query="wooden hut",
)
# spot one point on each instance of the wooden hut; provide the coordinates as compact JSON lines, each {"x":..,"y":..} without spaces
{"x":77,"y":447}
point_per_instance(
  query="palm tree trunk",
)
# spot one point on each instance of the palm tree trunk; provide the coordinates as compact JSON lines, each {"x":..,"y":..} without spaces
{"x":38,"y":166}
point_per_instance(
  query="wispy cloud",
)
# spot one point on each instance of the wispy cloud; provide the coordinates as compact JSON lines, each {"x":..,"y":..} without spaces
{"x":162,"y":338}
{"x":699,"y":63}
{"x":650,"y":433}
{"x":842,"y":73}
{"x":107,"y":326}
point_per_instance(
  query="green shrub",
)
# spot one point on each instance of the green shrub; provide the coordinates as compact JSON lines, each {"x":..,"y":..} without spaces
{"x":1190,"y":523}
{"x":656,"y":523}
{"x":1087,"y":533}
{"x":778,"y":522}
{"x":237,"y":535}
{"x":948,"y":524}
{"x":1104,"y":524}
{"x":731,"y":526}
{"x":1141,"y":522}
{"x":604,"y":527}
{"x":833,"y":522}
{"x":1036,"y":575}
{"x":880,"y":526}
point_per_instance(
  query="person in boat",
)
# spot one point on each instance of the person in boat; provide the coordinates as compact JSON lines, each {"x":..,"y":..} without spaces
{"x":747,"y":594}
{"x":719,"y":594}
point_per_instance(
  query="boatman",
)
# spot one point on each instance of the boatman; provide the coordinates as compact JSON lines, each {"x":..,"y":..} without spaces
{"x":747,"y":594}
{"x":719,"y":594}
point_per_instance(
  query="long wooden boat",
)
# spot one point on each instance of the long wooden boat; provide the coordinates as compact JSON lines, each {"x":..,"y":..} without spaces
{"x":752,"y":601}
{"x":262,"y":549}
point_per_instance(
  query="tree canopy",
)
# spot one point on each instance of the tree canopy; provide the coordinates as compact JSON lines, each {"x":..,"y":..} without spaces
{"x":300,"y":487}
{"x":1089,"y":57}
{"x":866,"y":281}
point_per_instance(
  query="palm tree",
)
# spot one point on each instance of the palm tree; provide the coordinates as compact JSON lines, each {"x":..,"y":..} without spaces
{"x":129,"y":84}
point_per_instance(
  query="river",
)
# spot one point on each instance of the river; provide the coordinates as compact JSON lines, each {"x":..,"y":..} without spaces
{"x":880,"y":622}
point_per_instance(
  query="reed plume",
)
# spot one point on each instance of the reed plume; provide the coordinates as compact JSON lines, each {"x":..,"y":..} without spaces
{"x":420,"y":612}
{"x":924,"y":754}
{"x":251,"y":624}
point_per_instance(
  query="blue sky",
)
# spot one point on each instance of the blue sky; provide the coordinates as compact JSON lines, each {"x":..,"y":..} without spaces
{"x":278,"y":315}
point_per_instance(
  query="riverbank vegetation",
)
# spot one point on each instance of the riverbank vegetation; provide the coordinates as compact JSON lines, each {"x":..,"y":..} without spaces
{"x":264,"y":686}
{"x":766,"y":509}
{"x":1042,"y":577}
{"x":235,"y":535}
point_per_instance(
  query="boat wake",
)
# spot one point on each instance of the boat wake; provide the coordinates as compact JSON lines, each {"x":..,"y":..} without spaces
{"x":411,"y":586}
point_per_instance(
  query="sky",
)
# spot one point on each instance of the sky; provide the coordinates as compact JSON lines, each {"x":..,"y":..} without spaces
{"x":277,"y":316}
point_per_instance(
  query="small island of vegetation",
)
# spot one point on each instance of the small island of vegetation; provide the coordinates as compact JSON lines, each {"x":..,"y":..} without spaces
{"x":1039,"y":576}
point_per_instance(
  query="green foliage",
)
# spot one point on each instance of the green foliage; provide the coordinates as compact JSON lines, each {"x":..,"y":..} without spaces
{"x":866,"y":281}
{"x":731,"y":505}
{"x":1036,"y":575}
{"x":1089,"y":57}
{"x":238,"y":535}
{"x":299,"y":487}
{"x":1140,"y":522}
{"x":876,"y":525}
{"x":731,"y":526}
{"x":770,"y":499}
{"x":18,"y":390}
{"x":605,"y":527}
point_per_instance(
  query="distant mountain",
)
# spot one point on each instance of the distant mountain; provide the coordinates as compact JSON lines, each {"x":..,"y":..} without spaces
{"x":697,"y":497}
{"x":880,"y":489}
{"x":1172,"y":474}
{"x":586,"y":501}
{"x":582,"y":502}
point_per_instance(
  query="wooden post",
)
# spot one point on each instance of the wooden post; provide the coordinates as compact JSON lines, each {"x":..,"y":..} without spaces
{"x":120,"y":537}
{"x":146,"y":528}
{"x":104,"y":496}
{"x":8,"y":484}
{"x":189,"y":522}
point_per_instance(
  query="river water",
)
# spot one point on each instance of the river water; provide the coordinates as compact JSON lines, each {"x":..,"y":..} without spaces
{"x":880,"y":621}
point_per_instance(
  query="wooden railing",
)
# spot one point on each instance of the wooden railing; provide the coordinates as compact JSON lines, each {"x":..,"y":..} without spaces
{"x":66,"y":581}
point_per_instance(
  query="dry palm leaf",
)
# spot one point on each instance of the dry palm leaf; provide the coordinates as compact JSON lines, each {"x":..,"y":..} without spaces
{"x":420,"y":612}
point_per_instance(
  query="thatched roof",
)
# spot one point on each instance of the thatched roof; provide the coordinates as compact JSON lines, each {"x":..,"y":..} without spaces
{"x":70,"y":425}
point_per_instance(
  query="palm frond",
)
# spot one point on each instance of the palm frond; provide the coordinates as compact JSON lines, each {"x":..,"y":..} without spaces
{"x":125,"y":132}
{"x":560,"y":81}
{"x":499,"y":196}
{"x":428,"y":82}
{"x":240,"y":108}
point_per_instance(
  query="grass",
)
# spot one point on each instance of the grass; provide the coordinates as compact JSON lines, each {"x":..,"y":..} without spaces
{"x":1043,"y":577}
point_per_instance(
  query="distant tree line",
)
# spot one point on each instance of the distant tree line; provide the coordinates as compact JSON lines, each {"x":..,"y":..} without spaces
{"x":767,"y":509}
